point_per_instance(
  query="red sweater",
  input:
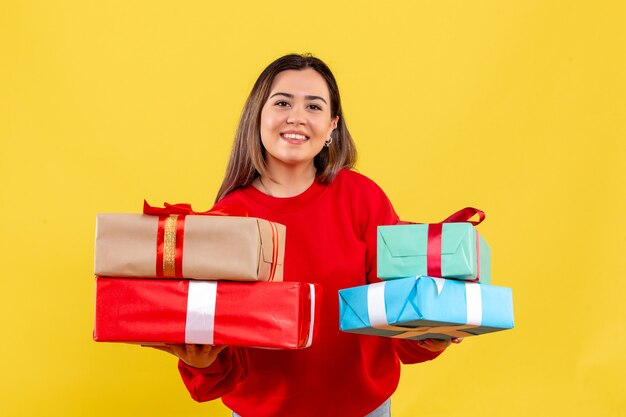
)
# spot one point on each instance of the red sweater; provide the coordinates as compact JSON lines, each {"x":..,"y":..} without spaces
{"x":331,"y":241}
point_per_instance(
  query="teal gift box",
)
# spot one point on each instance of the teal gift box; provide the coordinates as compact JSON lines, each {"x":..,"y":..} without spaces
{"x":407,"y":250}
{"x":425,"y":308}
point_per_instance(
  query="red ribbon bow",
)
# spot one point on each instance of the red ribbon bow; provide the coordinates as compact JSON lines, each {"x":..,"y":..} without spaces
{"x":171,"y":234}
{"x":184,"y":209}
{"x":464,"y":215}
{"x":433,"y":251}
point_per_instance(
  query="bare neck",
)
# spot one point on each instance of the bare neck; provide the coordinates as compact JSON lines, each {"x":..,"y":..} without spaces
{"x":283,"y":181}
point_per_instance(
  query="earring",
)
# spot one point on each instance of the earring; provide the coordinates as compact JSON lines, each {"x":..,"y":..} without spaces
{"x":328,"y":142}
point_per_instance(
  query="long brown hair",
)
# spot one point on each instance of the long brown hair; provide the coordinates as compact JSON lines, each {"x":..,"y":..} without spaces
{"x":247,"y":158}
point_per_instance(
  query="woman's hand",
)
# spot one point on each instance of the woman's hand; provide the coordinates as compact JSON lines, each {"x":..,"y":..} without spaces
{"x":437,"y":345}
{"x":198,"y":356}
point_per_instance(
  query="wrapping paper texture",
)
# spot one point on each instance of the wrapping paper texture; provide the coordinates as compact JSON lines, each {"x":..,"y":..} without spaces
{"x":417,"y":304}
{"x":213,"y":247}
{"x":278,"y":315}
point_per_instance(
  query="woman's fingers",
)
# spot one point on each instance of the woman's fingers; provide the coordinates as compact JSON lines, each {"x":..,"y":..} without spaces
{"x":434,"y":345}
{"x":215,"y":350}
{"x":177,"y":349}
{"x":199,"y":356}
{"x":218,"y":349}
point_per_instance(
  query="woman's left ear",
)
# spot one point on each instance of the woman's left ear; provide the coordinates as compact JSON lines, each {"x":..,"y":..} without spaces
{"x":334,"y":122}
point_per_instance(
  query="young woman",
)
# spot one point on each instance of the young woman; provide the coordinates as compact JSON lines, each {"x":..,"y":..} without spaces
{"x":291,"y":163}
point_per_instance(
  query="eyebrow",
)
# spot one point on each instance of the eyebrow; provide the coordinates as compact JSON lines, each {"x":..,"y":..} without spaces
{"x":291,"y":96}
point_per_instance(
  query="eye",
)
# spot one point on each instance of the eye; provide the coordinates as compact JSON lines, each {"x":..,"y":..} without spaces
{"x":314,"y":107}
{"x":281,"y":103}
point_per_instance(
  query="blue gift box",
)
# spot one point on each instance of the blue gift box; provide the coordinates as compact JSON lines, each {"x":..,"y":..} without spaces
{"x":425,"y":308}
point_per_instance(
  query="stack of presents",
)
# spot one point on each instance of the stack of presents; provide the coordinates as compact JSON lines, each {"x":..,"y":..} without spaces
{"x":435,"y":284}
{"x":171,"y":275}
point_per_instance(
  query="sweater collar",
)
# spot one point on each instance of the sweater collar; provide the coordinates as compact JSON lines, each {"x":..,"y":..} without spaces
{"x":285,"y":203}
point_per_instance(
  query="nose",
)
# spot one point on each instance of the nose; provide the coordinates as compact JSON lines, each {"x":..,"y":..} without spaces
{"x":296,"y":115}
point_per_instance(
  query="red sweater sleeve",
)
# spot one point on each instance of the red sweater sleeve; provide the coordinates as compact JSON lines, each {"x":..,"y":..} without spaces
{"x":230,"y":368}
{"x":375,"y":211}
{"x":382,"y":213}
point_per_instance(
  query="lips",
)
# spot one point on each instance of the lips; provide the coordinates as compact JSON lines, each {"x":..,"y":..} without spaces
{"x":294,"y":136}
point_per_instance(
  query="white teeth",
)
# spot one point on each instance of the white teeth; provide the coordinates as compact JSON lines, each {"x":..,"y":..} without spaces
{"x":294,"y":136}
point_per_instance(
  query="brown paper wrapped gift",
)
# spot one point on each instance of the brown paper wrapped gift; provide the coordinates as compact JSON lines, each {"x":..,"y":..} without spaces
{"x":189,"y":246}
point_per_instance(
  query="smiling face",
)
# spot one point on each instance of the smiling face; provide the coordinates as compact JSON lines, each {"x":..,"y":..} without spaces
{"x":296,"y":119}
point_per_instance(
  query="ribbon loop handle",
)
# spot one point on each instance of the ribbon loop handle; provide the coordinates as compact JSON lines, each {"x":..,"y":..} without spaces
{"x":184,"y":208}
{"x":465,"y":214}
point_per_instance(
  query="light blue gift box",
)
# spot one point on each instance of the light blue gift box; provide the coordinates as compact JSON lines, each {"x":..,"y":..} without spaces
{"x":402,"y":252}
{"x":425,"y":308}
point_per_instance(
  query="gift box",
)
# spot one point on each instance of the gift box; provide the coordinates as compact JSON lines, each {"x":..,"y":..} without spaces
{"x":279,"y":315}
{"x":425,"y":308}
{"x":189,"y":246}
{"x":447,"y":250}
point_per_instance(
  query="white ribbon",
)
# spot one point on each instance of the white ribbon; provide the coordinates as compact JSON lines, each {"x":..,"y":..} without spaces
{"x":200,"y":322}
{"x":474,"y":303}
{"x":439,"y":282}
{"x":312,"y":325}
{"x":377,"y":312}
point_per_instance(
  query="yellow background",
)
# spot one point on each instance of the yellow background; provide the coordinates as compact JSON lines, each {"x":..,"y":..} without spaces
{"x":517,"y":108}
